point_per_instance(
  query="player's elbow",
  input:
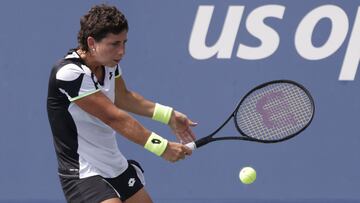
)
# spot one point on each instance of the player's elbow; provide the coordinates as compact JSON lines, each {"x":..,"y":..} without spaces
{"x":123,"y":100}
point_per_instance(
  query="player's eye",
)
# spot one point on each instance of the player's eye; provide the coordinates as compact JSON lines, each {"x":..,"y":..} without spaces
{"x":115,"y":44}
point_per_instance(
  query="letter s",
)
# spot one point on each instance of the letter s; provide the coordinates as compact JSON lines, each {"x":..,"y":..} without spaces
{"x":269,"y":37}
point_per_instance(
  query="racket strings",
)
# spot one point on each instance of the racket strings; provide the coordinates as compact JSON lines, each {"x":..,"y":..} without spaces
{"x":274,"y":112}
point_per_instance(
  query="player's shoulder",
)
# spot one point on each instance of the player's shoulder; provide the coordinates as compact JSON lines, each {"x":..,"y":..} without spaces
{"x":70,"y":67}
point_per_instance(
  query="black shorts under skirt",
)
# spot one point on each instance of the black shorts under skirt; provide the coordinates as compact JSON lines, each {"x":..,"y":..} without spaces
{"x":96,"y":189}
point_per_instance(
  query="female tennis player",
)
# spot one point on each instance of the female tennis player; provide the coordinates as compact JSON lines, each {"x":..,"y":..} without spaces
{"x":87,"y":104}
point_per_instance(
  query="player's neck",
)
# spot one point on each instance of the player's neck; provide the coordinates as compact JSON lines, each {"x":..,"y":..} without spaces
{"x":89,"y":60}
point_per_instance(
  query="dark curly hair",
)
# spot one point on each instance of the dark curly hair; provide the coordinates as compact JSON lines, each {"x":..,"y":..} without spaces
{"x":100,"y":21}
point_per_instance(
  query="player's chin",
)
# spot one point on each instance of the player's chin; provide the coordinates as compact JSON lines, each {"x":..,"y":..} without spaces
{"x":112,"y":63}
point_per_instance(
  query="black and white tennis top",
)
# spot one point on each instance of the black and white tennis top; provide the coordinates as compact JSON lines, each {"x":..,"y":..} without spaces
{"x":84,"y":145}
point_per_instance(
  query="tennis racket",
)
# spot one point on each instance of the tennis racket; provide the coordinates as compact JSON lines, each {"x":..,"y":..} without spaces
{"x":271,"y":112}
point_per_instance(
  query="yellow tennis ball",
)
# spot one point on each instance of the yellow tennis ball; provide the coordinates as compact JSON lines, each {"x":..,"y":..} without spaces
{"x":247,"y":175}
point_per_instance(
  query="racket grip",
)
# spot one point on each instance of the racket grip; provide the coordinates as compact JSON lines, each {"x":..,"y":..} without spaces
{"x":191,"y":145}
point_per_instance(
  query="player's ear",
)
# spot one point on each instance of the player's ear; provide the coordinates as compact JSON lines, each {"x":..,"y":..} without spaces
{"x":91,"y":43}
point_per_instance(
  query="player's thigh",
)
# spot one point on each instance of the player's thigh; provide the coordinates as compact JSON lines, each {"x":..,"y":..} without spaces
{"x":140,"y":196}
{"x":90,"y":189}
{"x":112,"y":200}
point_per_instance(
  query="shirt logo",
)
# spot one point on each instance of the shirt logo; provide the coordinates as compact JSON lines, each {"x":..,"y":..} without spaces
{"x":111,"y":74}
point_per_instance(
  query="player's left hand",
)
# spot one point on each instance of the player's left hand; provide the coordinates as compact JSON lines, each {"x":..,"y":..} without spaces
{"x":180,"y":125}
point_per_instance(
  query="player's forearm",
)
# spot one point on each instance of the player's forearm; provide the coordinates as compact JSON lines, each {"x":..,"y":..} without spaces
{"x":130,"y":128}
{"x":135,"y":103}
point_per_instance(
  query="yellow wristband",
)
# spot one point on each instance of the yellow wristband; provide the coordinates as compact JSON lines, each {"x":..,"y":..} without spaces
{"x":162,"y":113}
{"x":156,"y":144}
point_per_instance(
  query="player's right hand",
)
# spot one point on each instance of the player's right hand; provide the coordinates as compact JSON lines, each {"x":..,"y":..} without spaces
{"x":175,"y":152}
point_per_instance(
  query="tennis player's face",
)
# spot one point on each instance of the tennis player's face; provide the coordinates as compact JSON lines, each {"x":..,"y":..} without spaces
{"x":110,"y":50}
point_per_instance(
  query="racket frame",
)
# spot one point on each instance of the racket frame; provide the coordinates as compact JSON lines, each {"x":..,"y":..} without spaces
{"x":210,"y":138}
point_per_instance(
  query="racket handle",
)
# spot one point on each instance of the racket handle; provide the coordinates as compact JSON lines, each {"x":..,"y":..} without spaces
{"x":199,"y":143}
{"x":191,"y":145}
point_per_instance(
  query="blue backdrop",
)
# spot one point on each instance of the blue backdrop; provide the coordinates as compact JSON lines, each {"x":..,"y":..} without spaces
{"x":173,"y":59}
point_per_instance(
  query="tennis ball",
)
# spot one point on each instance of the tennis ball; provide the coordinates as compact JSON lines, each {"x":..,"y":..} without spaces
{"x":247,"y":175}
